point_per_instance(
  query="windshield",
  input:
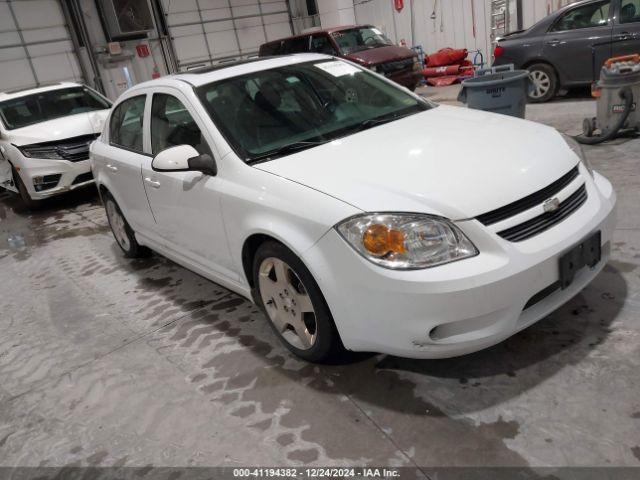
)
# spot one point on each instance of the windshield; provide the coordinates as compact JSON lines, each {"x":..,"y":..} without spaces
{"x":272,"y":112}
{"x":40,"y":107}
{"x":356,"y":39}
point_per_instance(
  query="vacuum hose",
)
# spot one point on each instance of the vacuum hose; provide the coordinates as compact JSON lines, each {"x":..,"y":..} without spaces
{"x":625,"y":94}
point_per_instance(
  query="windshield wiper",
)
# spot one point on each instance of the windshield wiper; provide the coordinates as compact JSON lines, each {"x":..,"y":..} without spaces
{"x":374,"y":122}
{"x":278,"y":152}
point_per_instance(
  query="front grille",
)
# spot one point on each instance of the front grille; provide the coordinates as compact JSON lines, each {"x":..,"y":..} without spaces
{"x":72,"y":149}
{"x":542,"y":294}
{"x":75,"y":149}
{"x":83,"y":177}
{"x":526,"y":203}
{"x":543,"y":222}
{"x":392,"y":67}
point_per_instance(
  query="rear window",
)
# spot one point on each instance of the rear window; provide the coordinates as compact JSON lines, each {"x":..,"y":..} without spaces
{"x":270,"y":49}
{"x":41,"y":107}
{"x":296,"y":45}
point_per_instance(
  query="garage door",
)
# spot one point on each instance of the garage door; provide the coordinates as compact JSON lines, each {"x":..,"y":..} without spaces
{"x":35,"y":47}
{"x":210,"y":31}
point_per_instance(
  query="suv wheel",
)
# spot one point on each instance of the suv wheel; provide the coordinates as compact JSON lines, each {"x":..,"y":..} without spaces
{"x":294,"y":304}
{"x":29,"y":202}
{"x":544,"y":83}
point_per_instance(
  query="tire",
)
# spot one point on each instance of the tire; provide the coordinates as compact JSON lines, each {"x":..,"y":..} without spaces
{"x":286,"y":303}
{"x":29,"y":202}
{"x":545,"y":83}
{"x":122,"y":231}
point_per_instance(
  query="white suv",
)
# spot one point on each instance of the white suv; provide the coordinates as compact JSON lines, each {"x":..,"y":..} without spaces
{"x":355,"y":213}
{"x":45,"y":135}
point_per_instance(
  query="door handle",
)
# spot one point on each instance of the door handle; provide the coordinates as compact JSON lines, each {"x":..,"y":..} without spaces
{"x":553,"y":42}
{"x":113,"y":168}
{"x":152,"y":183}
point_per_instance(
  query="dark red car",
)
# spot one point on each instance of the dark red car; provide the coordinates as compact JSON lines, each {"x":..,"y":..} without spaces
{"x":363,"y":44}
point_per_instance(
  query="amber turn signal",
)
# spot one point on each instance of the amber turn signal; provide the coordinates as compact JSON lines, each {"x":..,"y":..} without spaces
{"x":381,"y":240}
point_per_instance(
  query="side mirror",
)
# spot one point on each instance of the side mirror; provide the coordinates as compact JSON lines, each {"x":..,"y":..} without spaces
{"x":184,"y":158}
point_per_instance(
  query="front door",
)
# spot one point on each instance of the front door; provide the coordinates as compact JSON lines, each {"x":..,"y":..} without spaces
{"x":579,"y":43}
{"x":186,"y":205}
{"x":626,"y":29}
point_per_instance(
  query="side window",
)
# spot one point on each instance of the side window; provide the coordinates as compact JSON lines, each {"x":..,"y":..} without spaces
{"x":296,"y":45}
{"x":591,"y":15}
{"x":270,"y":49}
{"x":322,"y":44}
{"x":125,"y":129}
{"x":630,"y":11}
{"x":173,"y":125}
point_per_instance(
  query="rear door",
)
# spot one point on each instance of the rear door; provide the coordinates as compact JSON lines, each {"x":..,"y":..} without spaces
{"x":579,"y":42}
{"x":186,"y":205}
{"x":626,"y":28}
{"x":122,"y":158}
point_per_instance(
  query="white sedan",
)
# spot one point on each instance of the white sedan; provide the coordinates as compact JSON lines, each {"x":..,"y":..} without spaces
{"x":45,"y":134}
{"x":356,"y":214}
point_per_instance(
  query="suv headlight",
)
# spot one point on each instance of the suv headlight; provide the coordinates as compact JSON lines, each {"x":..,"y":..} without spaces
{"x":406,"y":241}
{"x":44,"y":152}
{"x":577,"y":149}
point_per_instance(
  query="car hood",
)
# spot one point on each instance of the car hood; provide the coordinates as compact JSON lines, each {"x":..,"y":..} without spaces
{"x":448,"y":161}
{"x":377,"y":55}
{"x":60,"y":128}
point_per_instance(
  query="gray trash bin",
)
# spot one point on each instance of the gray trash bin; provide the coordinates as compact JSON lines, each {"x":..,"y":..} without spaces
{"x":499,"y":89}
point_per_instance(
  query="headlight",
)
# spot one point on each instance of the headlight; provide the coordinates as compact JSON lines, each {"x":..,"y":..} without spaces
{"x":406,"y":241}
{"x":577,"y":149}
{"x":50,"y":153}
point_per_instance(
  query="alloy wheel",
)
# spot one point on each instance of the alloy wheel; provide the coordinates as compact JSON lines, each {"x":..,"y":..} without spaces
{"x":117,"y":222}
{"x":287,"y":303}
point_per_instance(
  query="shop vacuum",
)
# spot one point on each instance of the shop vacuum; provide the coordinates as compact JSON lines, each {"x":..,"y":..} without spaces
{"x":617,"y":93}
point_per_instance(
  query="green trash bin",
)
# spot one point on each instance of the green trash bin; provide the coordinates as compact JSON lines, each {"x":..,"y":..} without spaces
{"x":499,"y":89}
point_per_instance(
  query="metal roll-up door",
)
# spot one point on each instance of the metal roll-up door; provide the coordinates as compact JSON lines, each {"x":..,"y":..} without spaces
{"x":206,"y":32}
{"x":35,"y":45}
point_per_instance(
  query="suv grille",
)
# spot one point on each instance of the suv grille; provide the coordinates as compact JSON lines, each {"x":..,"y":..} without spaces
{"x":391,"y":67}
{"x":543,"y":222}
{"x":75,"y":149}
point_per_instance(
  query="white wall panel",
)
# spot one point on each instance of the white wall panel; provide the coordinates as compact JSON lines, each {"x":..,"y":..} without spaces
{"x":452,"y":27}
{"x":45,"y":52}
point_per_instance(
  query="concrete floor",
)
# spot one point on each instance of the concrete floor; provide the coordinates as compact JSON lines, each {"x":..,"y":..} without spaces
{"x":107,"y":361}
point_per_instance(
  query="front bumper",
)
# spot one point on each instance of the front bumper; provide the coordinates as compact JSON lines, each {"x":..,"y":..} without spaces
{"x":464,"y":306}
{"x":410,"y":79}
{"x":72,"y":175}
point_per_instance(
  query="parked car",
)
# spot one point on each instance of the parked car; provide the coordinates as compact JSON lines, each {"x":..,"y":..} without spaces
{"x":45,"y":134}
{"x":569,"y":47}
{"x":334,"y":199}
{"x":362,"y":44}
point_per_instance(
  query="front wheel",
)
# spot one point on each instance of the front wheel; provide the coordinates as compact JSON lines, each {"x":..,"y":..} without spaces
{"x":123,"y":233}
{"x":29,"y":202}
{"x":294,"y":304}
{"x":544,"y":82}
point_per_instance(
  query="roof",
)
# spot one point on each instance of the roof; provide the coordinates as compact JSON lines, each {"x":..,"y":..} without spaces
{"x":207,"y":75}
{"x":319,"y":30}
{"x":21,"y":92}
